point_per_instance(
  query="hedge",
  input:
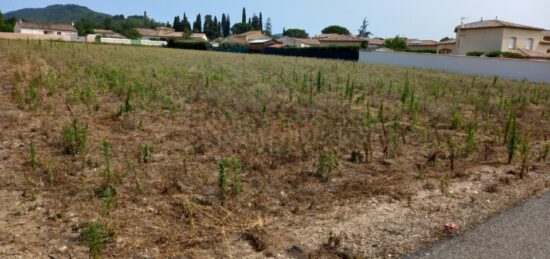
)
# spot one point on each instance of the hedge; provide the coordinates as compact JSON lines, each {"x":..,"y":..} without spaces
{"x":331,"y":52}
{"x":232,"y":47}
{"x":189,"y":44}
{"x":475,"y":53}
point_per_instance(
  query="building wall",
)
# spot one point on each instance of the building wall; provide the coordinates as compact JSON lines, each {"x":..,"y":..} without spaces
{"x":416,"y":47}
{"x":479,"y":40}
{"x":20,"y":36}
{"x":521,"y":36}
{"x":536,"y":71}
{"x":446,"y":49}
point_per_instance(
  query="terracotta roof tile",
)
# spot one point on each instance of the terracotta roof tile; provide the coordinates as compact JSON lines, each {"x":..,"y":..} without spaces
{"x":337,"y":37}
{"x":494,"y":24}
{"x":47,"y":26}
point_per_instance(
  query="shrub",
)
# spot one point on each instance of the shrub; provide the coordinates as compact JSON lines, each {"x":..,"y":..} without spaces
{"x":494,"y":54}
{"x":232,"y":47}
{"x":333,"y":52}
{"x":396,"y":43}
{"x":508,"y":54}
{"x":75,"y":139}
{"x":475,"y":53}
{"x":328,"y":161}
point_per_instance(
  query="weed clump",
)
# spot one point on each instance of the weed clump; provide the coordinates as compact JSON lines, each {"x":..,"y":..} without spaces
{"x":95,"y":236}
{"x":327,"y":163}
{"x":75,"y":138}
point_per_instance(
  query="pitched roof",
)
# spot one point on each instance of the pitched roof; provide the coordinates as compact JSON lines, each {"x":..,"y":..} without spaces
{"x":375,"y":42}
{"x":415,"y":42}
{"x":338,"y":37}
{"x":308,"y":41}
{"x":47,"y":26}
{"x":159,"y":33}
{"x":234,"y":39}
{"x":447,"y":42}
{"x":260,"y":41}
{"x":488,"y":24}
{"x":109,"y":33}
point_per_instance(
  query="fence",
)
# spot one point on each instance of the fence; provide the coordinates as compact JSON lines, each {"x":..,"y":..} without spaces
{"x":346,"y":53}
{"x":531,"y":70}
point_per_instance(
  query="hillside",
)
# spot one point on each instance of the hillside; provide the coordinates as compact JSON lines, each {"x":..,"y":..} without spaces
{"x":57,"y":13}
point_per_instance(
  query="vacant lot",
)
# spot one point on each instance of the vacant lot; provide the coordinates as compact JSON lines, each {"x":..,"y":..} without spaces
{"x":113,"y":151}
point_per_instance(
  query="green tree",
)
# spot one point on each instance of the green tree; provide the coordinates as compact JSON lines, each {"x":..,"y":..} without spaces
{"x":296,"y":33}
{"x":210,"y":27}
{"x":268,"y":29}
{"x":177,"y":25}
{"x":244,"y":16}
{"x":85,"y":26}
{"x":255,"y":23}
{"x":445,"y":39}
{"x":363,"y":30}
{"x":185,"y":24}
{"x":1,"y":21}
{"x":197,"y":25}
{"x":336,"y":29}
{"x":239,"y":28}
{"x":396,"y":43}
{"x":261,"y":22}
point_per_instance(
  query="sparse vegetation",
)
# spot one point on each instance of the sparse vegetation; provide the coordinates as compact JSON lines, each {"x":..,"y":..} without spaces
{"x":205,"y":146}
{"x":75,"y":138}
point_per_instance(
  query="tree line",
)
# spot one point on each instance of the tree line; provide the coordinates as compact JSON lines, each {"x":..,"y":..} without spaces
{"x":6,"y":25}
{"x":215,"y":28}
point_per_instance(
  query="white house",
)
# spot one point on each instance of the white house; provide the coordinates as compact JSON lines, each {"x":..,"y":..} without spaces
{"x":25,"y":27}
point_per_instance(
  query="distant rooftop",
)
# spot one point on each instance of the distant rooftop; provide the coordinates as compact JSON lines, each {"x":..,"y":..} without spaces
{"x":494,"y":24}
{"x":47,"y":26}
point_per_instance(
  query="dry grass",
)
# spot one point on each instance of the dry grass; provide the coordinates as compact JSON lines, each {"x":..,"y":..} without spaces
{"x":171,"y":117}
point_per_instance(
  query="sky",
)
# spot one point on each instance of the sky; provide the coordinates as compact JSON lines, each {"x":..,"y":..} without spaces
{"x":421,"y":19}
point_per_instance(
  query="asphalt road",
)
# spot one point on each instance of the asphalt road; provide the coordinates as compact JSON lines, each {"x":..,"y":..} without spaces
{"x":522,"y":232}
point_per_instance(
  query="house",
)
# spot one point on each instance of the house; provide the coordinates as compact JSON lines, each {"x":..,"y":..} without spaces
{"x":108,"y":34}
{"x":299,"y":42}
{"x":375,"y":42}
{"x":339,"y":40}
{"x":415,"y":44}
{"x":159,"y":33}
{"x":258,"y":45}
{"x":446,"y":47}
{"x":198,"y":36}
{"x":246,"y":38}
{"x":497,"y":35}
{"x":26,"y":27}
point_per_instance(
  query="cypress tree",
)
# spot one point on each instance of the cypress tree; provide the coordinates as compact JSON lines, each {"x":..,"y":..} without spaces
{"x":244,"y":15}
{"x":227,"y":28}
{"x":261,"y":23}
{"x":222,"y":26}
{"x":197,"y":25}
{"x":186,"y":26}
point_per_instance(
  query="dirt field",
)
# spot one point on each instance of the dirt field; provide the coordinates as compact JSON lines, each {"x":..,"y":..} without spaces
{"x":136,"y":152}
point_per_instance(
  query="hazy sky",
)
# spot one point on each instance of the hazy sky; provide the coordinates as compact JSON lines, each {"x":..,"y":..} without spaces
{"x":424,"y":19}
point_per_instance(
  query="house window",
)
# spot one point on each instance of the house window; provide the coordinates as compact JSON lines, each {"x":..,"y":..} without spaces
{"x":58,"y":33}
{"x":529,"y":44}
{"x":548,"y":51}
{"x":512,"y":43}
{"x":547,"y":38}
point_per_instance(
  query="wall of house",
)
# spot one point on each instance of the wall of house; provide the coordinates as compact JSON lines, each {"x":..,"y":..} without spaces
{"x":536,"y":71}
{"x":416,"y":47}
{"x":20,"y":36}
{"x":521,"y":36}
{"x":479,"y":40}
{"x":446,"y":47}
